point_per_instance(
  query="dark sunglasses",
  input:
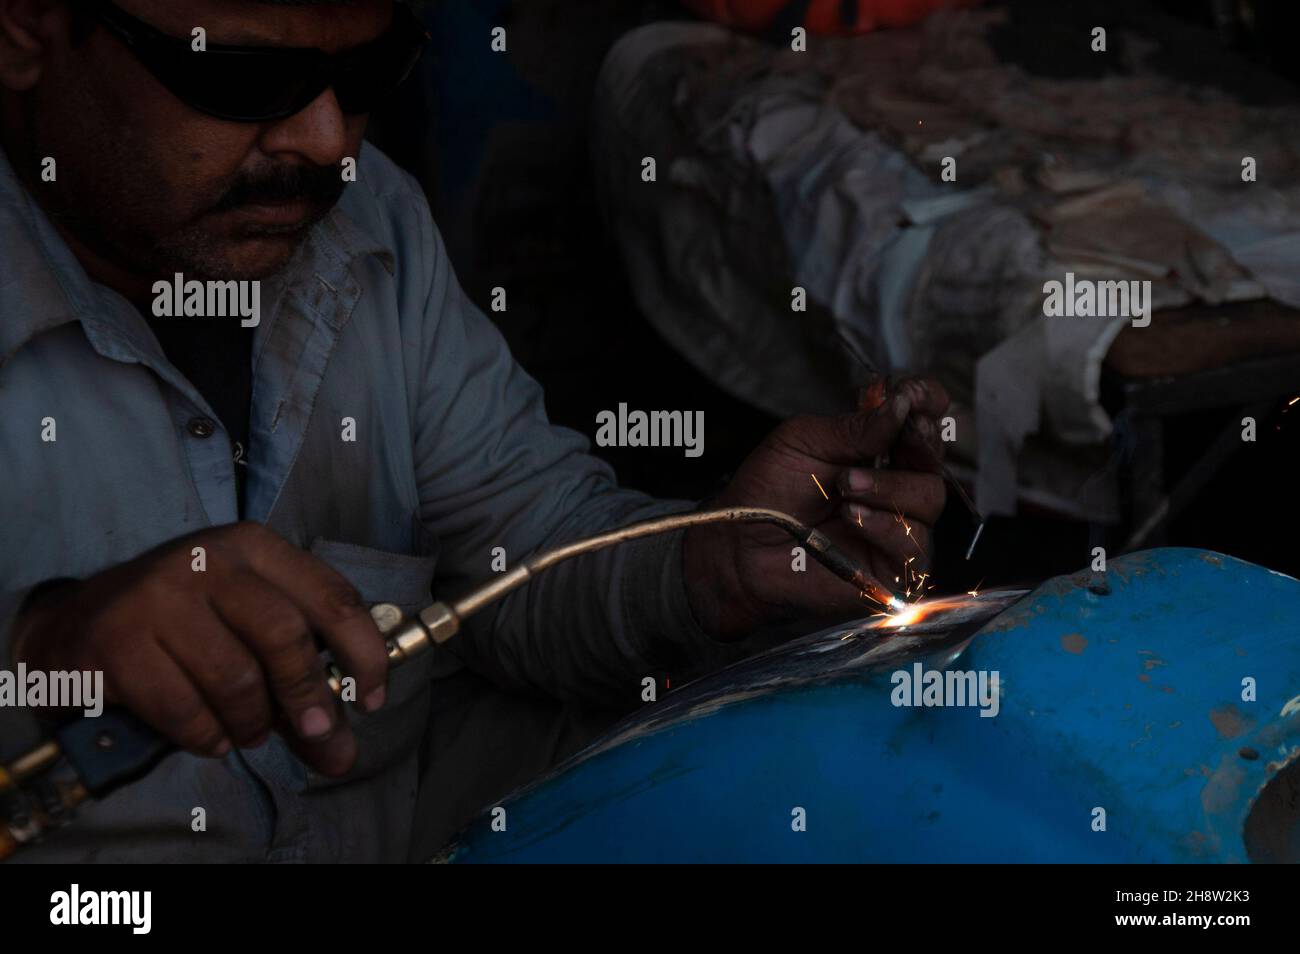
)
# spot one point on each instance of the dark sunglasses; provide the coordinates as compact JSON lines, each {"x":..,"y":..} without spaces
{"x":253,"y":84}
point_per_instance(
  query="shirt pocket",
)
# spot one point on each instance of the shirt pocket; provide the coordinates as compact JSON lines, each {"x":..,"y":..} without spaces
{"x":386,"y":737}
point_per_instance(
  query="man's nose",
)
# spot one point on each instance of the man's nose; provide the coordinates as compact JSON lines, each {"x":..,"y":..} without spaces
{"x":317,"y":133}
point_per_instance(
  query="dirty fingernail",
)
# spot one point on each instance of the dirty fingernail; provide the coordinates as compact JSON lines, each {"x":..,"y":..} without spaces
{"x":861,"y":479}
{"x":314,"y":723}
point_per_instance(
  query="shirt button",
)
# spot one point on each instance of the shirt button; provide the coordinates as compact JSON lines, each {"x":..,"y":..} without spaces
{"x":201,"y":426}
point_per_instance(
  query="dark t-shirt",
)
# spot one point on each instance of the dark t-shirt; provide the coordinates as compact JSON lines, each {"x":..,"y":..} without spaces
{"x":216,"y":355}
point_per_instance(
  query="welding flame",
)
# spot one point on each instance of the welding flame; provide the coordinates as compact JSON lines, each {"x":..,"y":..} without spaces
{"x":919,"y":612}
{"x":913,"y":614}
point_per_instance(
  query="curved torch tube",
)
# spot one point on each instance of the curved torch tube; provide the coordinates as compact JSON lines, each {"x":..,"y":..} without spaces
{"x":441,"y":621}
{"x":822,"y":549}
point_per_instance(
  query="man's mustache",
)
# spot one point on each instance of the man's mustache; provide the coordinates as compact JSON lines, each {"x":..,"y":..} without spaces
{"x":273,"y":185}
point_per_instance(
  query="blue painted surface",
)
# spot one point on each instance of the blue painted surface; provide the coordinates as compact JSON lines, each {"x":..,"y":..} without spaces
{"x":1131,"y":702}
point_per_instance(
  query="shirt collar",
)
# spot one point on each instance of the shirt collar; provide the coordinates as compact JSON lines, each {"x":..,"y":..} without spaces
{"x":43,"y":285}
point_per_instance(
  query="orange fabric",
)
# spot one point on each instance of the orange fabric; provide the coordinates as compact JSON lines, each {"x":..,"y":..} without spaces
{"x":823,"y":15}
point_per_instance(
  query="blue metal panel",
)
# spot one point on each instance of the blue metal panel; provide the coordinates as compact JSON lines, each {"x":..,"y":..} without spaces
{"x":1129,"y":702}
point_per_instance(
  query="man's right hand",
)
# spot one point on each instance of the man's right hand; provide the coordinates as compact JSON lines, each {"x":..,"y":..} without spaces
{"x":219,"y":656}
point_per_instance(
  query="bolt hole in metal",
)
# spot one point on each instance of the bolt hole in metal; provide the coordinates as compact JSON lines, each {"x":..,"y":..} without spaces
{"x":1272,"y":831}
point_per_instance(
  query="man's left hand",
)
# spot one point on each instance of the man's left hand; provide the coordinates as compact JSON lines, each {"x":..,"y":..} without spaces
{"x":742,"y":575}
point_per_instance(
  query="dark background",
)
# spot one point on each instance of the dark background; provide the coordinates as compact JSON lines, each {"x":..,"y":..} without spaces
{"x":501,"y":145}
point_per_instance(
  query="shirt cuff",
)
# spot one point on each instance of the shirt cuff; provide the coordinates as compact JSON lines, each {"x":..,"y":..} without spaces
{"x":658,"y":618}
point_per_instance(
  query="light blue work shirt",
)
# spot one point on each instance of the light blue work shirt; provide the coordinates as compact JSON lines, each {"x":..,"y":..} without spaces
{"x":453,"y":456}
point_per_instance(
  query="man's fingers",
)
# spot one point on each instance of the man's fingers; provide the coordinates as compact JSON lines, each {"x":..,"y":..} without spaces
{"x":278,"y":634}
{"x":928,"y":396}
{"x":227,"y":674}
{"x":910,"y":493}
{"x":331,"y":757}
{"x":154,"y":686}
{"x":920,"y":446}
{"x":850,"y":438}
{"x":334,"y":611}
{"x":902,"y":541}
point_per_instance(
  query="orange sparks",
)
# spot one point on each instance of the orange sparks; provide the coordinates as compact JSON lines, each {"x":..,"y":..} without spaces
{"x":819,"y":485}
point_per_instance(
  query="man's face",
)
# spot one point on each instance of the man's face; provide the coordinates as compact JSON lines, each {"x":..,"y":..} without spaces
{"x":152,"y":186}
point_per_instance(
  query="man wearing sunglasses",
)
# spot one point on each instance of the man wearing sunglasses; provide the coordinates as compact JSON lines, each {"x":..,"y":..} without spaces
{"x":196,"y":507}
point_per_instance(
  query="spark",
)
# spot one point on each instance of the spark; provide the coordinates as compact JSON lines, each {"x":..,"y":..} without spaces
{"x":974,"y":594}
{"x":907,"y":527}
{"x":819,"y":485}
{"x":859,"y":518}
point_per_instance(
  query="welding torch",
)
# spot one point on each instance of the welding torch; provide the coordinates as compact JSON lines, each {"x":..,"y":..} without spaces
{"x":92,"y":757}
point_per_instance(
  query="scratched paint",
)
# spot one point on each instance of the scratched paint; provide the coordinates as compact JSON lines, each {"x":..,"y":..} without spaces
{"x":1074,"y":643}
{"x":1229,"y":721}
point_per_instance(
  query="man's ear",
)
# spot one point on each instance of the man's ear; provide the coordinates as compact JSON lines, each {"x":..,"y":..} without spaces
{"x":28,"y":28}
